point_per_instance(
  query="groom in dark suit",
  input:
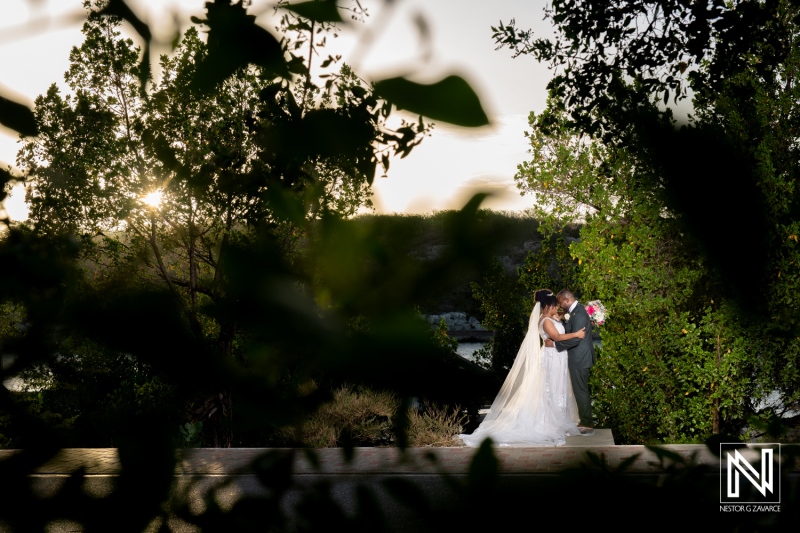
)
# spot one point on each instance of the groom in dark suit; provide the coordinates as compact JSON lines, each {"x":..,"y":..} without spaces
{"x":580,"y":356}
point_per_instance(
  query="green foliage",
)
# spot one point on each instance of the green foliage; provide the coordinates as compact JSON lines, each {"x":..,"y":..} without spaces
{"x":680,"y":360}
{"x":506,"y":300}
{"x":224,"y":158}
{"x":595,"y":47}
{"x":443,"y":339}
{"x":551,"y":266}
{"x":274,"y":319}
{"x":611,"y":70}
{"x":190,"y":434}
{"x":503,"y":311}
{"x":701,"y":334}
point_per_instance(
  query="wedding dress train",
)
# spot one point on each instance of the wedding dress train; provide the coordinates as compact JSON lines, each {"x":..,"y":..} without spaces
{"x":535,"y":405}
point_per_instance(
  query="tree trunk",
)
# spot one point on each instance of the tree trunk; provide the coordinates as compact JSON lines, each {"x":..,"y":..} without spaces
{"x":715,"y":416}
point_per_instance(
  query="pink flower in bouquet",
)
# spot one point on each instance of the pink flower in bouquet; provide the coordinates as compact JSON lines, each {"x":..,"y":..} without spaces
{"x":597,"y":312}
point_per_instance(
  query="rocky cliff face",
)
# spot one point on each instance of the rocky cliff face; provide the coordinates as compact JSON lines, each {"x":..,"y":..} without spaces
{"x":457,"y":321}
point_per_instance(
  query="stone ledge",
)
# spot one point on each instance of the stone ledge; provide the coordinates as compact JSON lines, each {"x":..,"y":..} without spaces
{"x":388,"y":461}
{"x":600,"y":437}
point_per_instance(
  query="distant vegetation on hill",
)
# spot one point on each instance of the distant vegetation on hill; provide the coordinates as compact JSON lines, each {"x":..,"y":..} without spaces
{"x":424,"y":237}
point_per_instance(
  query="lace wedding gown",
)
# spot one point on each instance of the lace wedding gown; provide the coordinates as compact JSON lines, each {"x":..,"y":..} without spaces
{"x":535,"y":405}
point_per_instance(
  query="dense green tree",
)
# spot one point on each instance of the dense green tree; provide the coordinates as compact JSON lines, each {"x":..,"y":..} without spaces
{"x":166,"y":187}
{"x":506,"y":298}
{"x":287,"y":321}
{"x":679,"y":360}
{"x":612,"y":61}
{"x":160,"y":183}
{"x":666,"y":193}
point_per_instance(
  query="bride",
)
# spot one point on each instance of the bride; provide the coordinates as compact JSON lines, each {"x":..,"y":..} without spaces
{"x":535,"y":405}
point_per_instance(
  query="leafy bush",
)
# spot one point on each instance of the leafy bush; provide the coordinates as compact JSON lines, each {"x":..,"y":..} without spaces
{"x":680,"y":359}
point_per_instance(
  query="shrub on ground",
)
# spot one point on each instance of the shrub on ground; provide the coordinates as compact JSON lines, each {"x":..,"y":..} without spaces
{"x":435,"y":426}
{"x":364,"y":417}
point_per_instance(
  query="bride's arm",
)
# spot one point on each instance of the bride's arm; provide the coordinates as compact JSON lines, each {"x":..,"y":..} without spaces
{"x":551,"y":330}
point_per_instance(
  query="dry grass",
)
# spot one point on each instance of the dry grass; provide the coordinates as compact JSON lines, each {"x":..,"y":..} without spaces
{"x":436,"y":426}
{"x":366,"y":415}
{"x":365,"y":418}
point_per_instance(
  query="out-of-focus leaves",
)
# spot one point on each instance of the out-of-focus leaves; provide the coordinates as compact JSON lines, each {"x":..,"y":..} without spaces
{"x":369,"y":515}
{"x":401,"y":423}
{"x":115,"y":323}
{"x":288,"y":317}
{"x":18,"y":117}
{"x":35,"y":268}
{"x":319,"y":133}
{"x":120,"y":8}
{"x":449,"y":100}
{"x":235,"y":40}
{"x":274,"y":470}
{"x":483,"y":471}
{"x":5,"y":177}
{"x":312,"y":457}
{"x":147,"y":468}
{"x":407,"y":492}
{"x":714,"y":441}
{"x":664,"y":454}
{"x":316,"y":10}
{"x":286,"y":206}
{"x":715,"y":164}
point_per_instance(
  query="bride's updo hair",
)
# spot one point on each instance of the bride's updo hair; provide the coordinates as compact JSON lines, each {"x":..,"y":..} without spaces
{"x":541,"y":295}
{"x":548,"y":300}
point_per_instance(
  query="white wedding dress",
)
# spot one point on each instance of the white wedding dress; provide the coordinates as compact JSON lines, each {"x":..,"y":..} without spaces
{"x":535,"y":405}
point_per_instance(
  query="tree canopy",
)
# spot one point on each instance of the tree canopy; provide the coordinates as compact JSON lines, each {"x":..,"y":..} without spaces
{"x":613,"y":61}
{"x":189,"y":253}
{"x":161,"y":257}
{"x":688,"y":227}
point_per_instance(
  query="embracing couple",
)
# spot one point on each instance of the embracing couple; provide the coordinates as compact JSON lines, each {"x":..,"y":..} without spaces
{"x":545,"y":397}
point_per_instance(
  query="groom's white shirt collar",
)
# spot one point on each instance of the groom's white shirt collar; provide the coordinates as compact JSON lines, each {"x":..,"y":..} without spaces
{"x":572,"y":307}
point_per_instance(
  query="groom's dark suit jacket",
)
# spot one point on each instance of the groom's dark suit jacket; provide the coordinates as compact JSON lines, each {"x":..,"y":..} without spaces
{"x":580,"y":352}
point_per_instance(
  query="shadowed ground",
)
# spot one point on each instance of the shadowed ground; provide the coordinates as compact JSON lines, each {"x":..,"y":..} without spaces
{"x":229,"y":472}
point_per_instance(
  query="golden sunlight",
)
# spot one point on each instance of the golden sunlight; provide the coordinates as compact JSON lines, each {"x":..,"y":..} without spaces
{"x":153,"y":199}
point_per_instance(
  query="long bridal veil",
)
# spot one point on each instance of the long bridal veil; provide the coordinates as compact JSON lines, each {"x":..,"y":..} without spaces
{"x":521,"y":377}
{"x":521,"y":414}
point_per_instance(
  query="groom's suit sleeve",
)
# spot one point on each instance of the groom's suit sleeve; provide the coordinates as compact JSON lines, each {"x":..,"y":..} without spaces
{"x":579,"y":321}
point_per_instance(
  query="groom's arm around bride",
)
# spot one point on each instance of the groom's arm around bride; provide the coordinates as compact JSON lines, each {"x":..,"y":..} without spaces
{"x":579,"y":319}
{"x":581,"y":351}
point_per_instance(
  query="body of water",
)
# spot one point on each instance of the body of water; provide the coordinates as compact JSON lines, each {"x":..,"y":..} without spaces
{"x":468,"y":349}
{"x":14,"y":383}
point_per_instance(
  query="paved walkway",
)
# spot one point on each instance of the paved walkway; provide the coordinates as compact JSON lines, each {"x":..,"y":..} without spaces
{"x":383,"y":461}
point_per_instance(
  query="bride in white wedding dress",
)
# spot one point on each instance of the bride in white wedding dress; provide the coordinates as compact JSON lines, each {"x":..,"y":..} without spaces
{"x":535,"y":405}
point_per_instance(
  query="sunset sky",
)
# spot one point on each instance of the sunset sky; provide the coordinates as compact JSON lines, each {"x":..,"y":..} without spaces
{"x":36,"y":36}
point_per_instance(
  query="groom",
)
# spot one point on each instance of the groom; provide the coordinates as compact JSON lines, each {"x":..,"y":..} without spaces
{"x":580,"y":356}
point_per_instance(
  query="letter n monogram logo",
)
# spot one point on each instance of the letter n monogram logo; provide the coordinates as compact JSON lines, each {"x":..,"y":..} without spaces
{"x":741,"y":476}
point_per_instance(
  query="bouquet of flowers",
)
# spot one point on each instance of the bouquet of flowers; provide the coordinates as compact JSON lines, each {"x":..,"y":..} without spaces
{"x":597,"y":312}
